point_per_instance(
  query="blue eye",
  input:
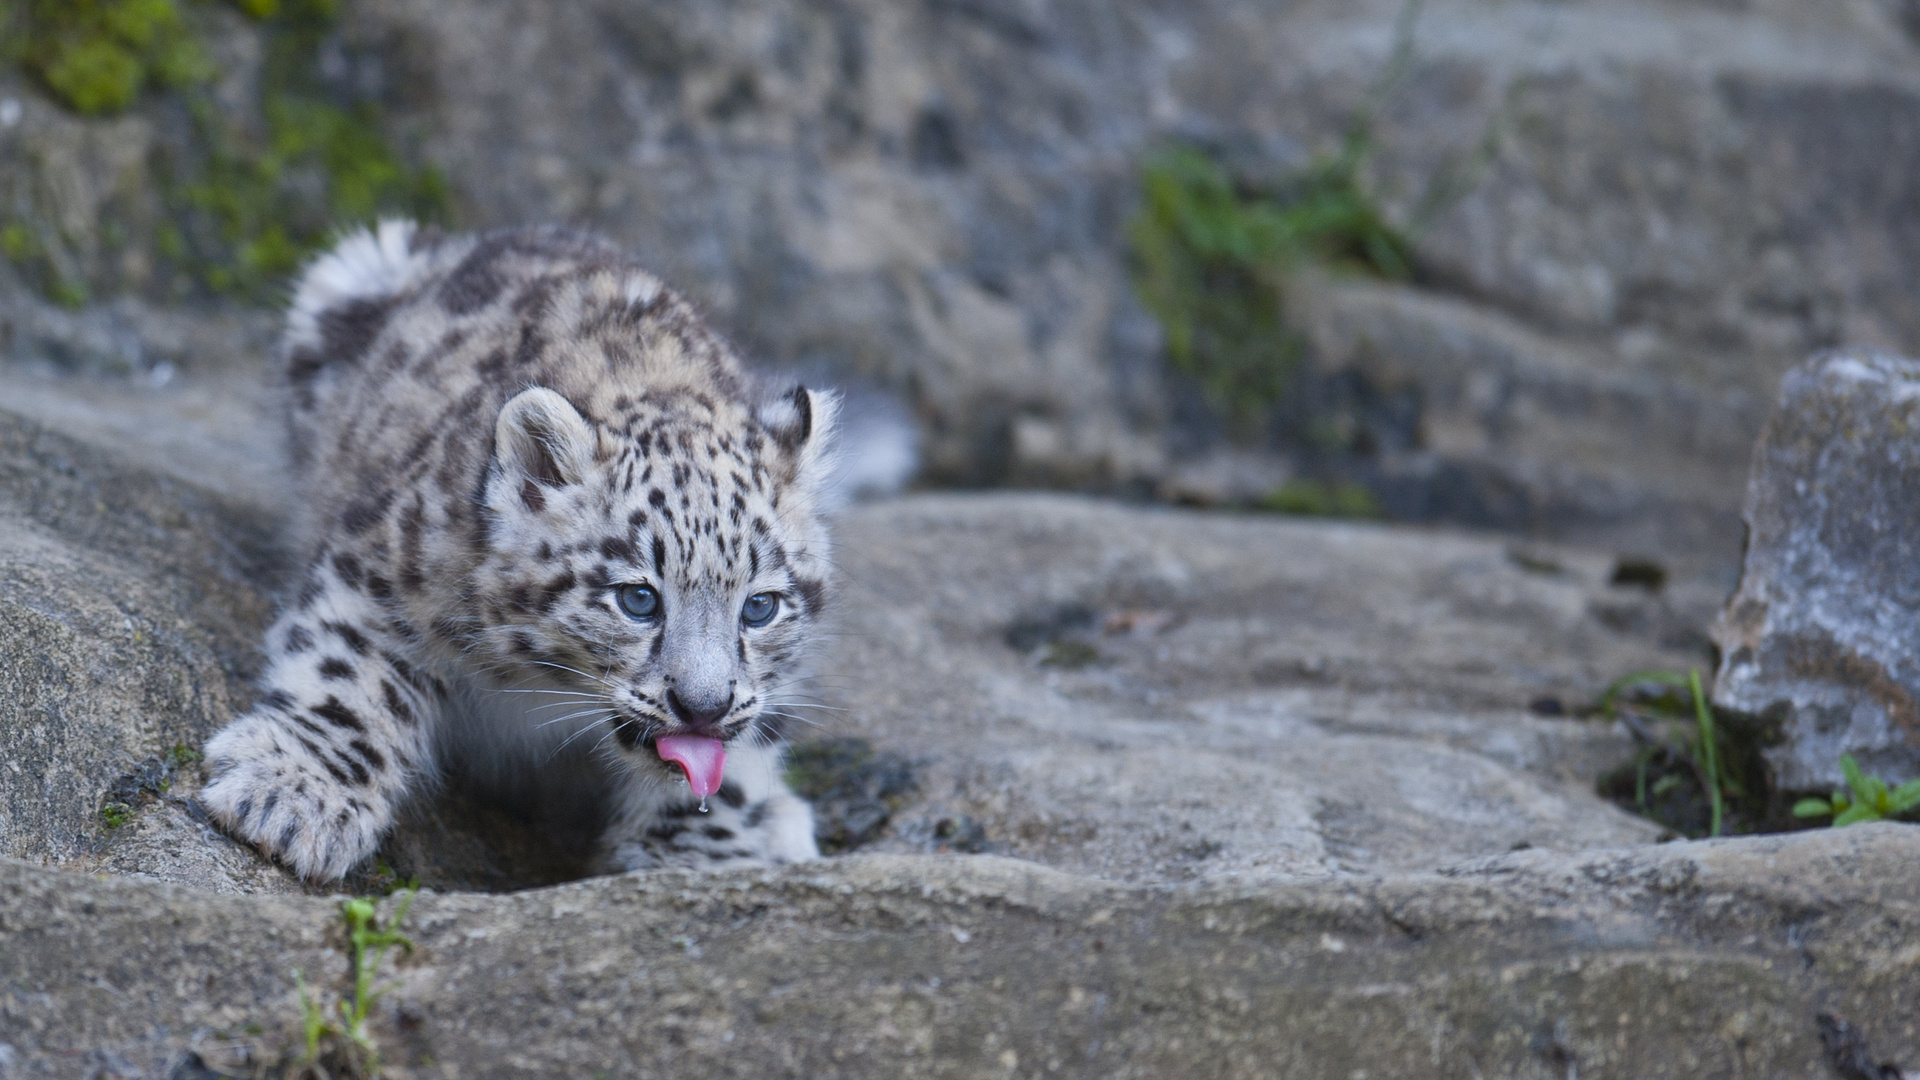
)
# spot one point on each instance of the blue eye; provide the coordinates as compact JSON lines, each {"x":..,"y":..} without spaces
{"x":638,"y":601}
{"x":760,"y":608}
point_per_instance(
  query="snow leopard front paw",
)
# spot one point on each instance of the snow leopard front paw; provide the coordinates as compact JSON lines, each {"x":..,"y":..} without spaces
{"x":277,"y":793}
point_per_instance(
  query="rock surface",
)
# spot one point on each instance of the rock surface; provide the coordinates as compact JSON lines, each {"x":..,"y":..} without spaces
{"x":1137,"y":694}
{"x":1820,"y":635}
{"x":1677,"y":201}
{"x":1684,"y":961}
{"x":1136,"y":792}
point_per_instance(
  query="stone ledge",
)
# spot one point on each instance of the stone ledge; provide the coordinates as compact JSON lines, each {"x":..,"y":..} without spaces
{"x":1682,"y":960}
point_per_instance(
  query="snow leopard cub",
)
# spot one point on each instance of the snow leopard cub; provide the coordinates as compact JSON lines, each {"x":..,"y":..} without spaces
{"x":541,"y":502}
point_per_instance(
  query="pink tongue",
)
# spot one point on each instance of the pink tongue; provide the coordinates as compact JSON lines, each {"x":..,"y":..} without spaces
{"x":701,"y":757}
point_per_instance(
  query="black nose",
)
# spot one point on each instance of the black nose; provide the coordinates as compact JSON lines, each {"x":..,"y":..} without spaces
{"x":701,"y":713}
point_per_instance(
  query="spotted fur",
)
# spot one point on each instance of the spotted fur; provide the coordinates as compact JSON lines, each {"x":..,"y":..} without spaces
{"x":493,"y":436}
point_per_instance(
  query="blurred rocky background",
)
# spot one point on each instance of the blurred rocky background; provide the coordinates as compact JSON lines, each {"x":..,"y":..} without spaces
{"x":1528,"y":265}
{"x":1176,"y":792}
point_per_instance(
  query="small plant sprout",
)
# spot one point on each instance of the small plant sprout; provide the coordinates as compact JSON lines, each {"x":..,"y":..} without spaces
{"x":1709,"y":752}
{"x":1865,"y":798}
{"x":341,"y":1034}
{"x":1698,"y":770}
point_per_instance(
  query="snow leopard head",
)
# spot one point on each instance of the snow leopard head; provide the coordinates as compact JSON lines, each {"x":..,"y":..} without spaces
{"x":660,"y":564}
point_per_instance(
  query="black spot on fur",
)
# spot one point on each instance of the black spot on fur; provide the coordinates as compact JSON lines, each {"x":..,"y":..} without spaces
{"x":277,"y":699}
{"x":335,"y":712}
{"x":335,"y":668}
{"x":520,"y":596}
{"x":298,"y":640}
{"x":617,"y":547}
{"x":348,"y":568}
{"x":555,"y":589}
{"x":355,"y":640}
{"x":756,"y":815}
{"x":731,"y":794}
{"x":657,"y":498}
{"x":660,"y":557}
{"x":364,"y":514}
{"x":531,"y":345}
{"x":346,"y":330}
{"x":813,"y":591}
{"x":378,"y":587}
{"x":533,"y":299}
{"x":396,"y":704}
{"x":627,"y":734}
{"x":716,"y":832}
{"x":303,"y":364}
{"x":311,"y":587}
{"x":476,"y":282}
{"x":531,"y":495}
{"x":374,"y":757}
{"x":326,"y":763}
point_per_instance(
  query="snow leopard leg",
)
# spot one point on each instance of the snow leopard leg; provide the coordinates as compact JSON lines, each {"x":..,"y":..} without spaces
{"x":315,"y":772}
{"x":755,"y":819}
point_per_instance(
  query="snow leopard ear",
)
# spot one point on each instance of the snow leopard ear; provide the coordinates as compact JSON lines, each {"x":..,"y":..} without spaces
{"x":802,"y":422}
{"x":542,"y":437}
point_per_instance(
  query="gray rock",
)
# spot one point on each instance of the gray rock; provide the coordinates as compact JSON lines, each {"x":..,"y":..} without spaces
{"x":1170,"y":695}
{"x":1820,"y":635}
{"x":1678,"y":201}
{"x":128,"y":601}
{"x":1681,"y":961}
{"x":1247,"y":789}
{"x":1134,"y":694}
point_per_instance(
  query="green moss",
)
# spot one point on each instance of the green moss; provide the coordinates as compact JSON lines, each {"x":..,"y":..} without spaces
{"x":19,"y":244}
{"x":71,"y":294}
{"x":261,"y":201}
{"x":1211,"y":253}
{"x":1316,"y":498}
{"x":23,"y":247}
{"x":1212,"y":250}
{"x":248,"y":197}
{"x":96,"y":56}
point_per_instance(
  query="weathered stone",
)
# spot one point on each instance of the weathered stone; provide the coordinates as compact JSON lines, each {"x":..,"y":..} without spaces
{"x":1259,"y":781}
{"x":1820,"y":634}
{"x":1169,"y":695}
{"x":1677,"y":201}
{"x":1140,"y":695}
{"x":1683,"y":961}
{"x":128,"y":601}
{"x":1527,"y":432}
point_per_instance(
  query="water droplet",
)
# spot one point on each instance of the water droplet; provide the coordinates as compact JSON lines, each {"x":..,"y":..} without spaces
{"x":703,"y":804}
